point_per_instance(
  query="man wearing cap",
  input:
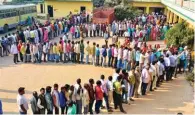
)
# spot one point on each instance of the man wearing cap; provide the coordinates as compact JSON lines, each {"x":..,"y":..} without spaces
{"x":41,"y":101}
{"x":22,"y":101}
{"x":49,"y":101}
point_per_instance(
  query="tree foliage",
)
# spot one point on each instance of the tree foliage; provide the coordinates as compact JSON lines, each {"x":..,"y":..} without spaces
{"x":180,"y":34}
{"x":98,"y":3}
{"x":122,"y":9}
{"x":126,"y":12}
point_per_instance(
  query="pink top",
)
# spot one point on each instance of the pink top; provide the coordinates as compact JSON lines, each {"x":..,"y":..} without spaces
{"x":72,"y":29}
{"x":113,"y":51}
{"x":45,"y":36}
{"x":68,"y":47}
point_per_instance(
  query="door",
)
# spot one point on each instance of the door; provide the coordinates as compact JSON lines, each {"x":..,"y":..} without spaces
{"x":50,"y":10}
{"x":41,"y":7}
{"x":83,"y":8}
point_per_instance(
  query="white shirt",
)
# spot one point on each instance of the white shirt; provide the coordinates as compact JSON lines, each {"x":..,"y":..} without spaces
{"x":35,"y":49}
{"x":142,"y":58}
{"x":27,"y":33}
{"x":126,"y":34}
{"x":44,"y":49}
{"x":119,"y":53}
{"x":145,"y":76}
{"x":64,"y":48}
{"x":167,"y":61}
{"x":161,"y":68}
{"x":76,"y":88}
{"x":115,"y":76}
{"x":14,"y":49}
{"x":21,"y":100}
{"x":77,"y":48}
{"x":85,"y":98}
{"x":125,"y":54}
{"x":110,"y":85}
{"x":115,"y":52}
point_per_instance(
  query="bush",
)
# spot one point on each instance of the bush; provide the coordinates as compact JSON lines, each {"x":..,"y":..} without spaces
{"x":180,"y":34}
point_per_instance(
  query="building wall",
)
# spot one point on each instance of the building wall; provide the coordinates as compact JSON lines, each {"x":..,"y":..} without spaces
{"x":63,"y":8}
{"x":148,"y":6}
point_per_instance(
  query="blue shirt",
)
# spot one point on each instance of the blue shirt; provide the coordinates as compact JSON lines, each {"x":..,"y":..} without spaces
{"x":183,"y":56}
{"x":62,"y":99}
{"x":137,"y":56}
{"x":109,"y":52}
{"x":1,"y":108}
{"x":172,"y":61}
{"x":97,"y":52}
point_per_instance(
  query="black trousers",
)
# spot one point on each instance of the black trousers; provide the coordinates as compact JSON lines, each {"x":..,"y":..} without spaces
{"x":117,"y":101}
{"x":63,"y":110}
{"x":56,"y":110}
{"x":143,"y":88}
{"x":167,"y":69}
{"x":49,"y":112}
{"x":15,"y":58}
{"x":21,"y":57}
{"x":115,"y":62}
{"x":172,"y":70}
{"x":91,"y":106}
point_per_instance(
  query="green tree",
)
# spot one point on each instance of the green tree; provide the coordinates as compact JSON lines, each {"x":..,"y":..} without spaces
{"x":98,"y":3}
{"x":180,"y":34}
{"x":122,"y":9}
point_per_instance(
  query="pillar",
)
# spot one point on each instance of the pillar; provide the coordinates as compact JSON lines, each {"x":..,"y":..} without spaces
{"x":171,"y":17}
{"x":180,"y":19}
{"x":147,"y":9}
{"x":165,"y":11}
{"x":168,"y":12}
{"x":174,"y":18}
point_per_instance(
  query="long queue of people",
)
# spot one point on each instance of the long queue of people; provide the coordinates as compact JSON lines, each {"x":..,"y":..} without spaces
{"x":138,"y":71}
{"x":143,"y":28}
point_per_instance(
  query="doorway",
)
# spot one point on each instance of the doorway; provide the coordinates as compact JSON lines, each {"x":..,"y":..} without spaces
{"x":83,"y":8}
{"x":50,"y":10}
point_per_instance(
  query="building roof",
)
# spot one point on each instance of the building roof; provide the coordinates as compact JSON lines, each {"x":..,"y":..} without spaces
{"x":3,"y":7}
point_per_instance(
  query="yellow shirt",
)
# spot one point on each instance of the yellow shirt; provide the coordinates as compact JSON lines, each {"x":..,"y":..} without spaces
{"x":55,"y":49}
{"x":117,"y":87}
{"x":88,"y":50}
{"x":23,"y":50}
{"x":60,"y":48}
{"x":93,"y":51}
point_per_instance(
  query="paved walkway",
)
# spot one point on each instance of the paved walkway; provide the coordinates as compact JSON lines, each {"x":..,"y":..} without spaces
{"x":172,"y":97}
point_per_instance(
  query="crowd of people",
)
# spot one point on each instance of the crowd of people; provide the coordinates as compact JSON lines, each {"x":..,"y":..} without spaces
{"x":143,"y":28}
{"x":140,"y":67}
{"x":138,"y":71}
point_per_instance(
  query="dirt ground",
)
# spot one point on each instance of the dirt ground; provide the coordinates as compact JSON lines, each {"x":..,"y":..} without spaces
{"x":172,"y":97}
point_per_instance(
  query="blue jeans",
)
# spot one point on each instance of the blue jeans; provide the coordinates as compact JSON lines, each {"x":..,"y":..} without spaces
{"x":48,"y":56}
{"x":106,"y":101}
{"x":125,"y":64}
{"x":40,"y":56}
{"x":82,"y":56}
{"x":57,"y":57}
{"x":119,"y":63}
{"x":131,"y":90}
{"x":51,"y":57}
{"x":87,"y":59}
{"x":97,"y":106}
